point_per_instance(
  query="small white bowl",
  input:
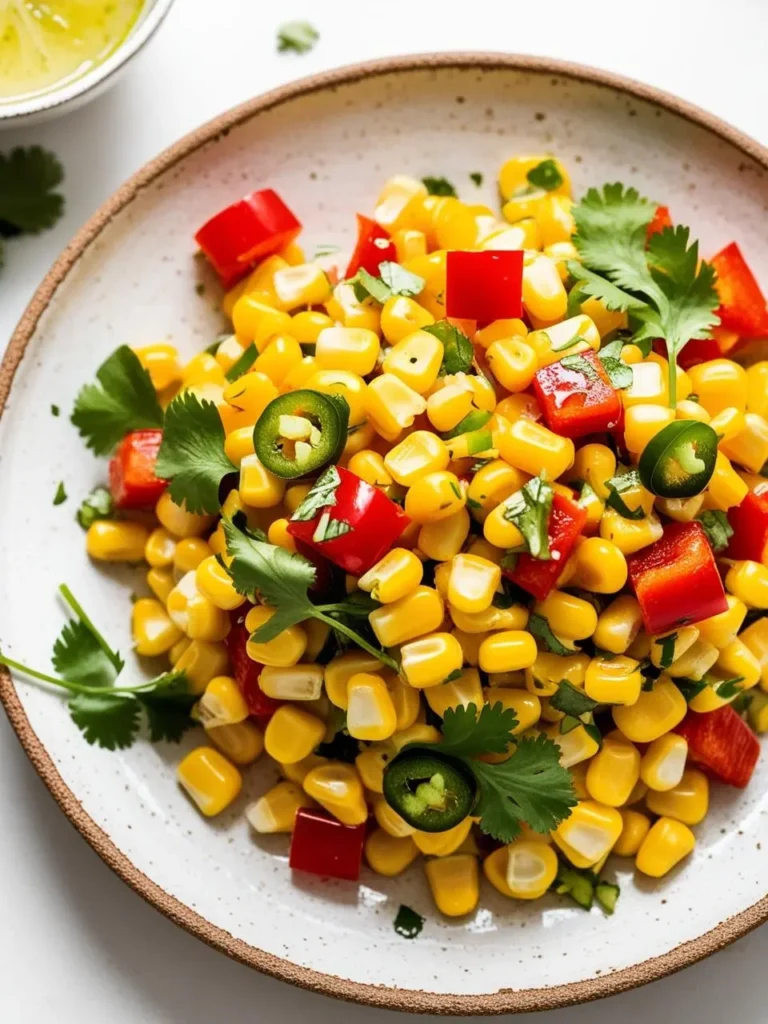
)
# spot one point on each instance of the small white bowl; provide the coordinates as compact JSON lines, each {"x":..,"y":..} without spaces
{"x":85,"y":88}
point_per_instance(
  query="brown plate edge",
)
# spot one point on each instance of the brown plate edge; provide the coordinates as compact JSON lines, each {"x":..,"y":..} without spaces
{"x":414,"y":1001}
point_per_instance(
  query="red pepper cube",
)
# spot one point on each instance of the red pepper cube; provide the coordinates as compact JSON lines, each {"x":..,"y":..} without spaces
{"x":539,"y":576}
{"x":749,"y":521}
{"x":374,"y":246}
{"x":721,"y":744}
{"x":661,"y":219}
{"x":676,"y":580}
{"x":742,"y":304}
{"x":321,"y":845}
{"x":247,"y":672}
{"x":375,"y":521}
{"x":256,"y":226}
{"x":484,"y":286}
{"x":577,"y":402}
{"x":132,"y":480}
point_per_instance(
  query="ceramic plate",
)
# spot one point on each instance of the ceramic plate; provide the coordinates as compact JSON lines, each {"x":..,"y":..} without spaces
{"x":326,"y":144}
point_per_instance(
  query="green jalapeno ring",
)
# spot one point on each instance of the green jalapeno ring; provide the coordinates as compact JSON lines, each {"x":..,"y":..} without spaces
{"x":327,"y":415}
{"x":430,"y":791}
{"x":680,"y":460}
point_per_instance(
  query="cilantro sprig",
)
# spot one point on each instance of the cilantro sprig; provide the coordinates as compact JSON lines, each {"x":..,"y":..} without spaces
{"x":282,"y":580}
{"x":106,"y":714}
{"x":531,"y":786}
{"x":28,"y":200}
{"x":660,"y":282}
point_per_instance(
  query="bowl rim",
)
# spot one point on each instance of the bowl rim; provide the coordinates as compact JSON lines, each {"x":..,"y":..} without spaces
{"x":408,"y":1000}
{"x":149,"y":20}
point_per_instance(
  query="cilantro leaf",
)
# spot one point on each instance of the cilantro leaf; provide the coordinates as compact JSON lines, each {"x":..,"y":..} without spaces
{"x":61,"y":494}
{"x":617,"y":485}
{"x":392,"y":280}
{"x":539,"y":627}
{"x":610,"y":234}
{"x":281,"y":578}
{"x":529,"y":510}
{"x":466,"y":734}
{"x":440,"y":187}
{"x":122,"y":401}
{"x":110,"y":720}
{"x":296,"y":36}
{"x":192,"y":455}
{"x":322,"y":494}
{"x":28,"y":178}
{"x":98,"y":505}
{"x":79,"y":658}
{"x":619,"y":373}
{"x":458,"y":351}
{"x":531,"y":786}
{"x":579,"y":364}
{"x":545,"y":175}
{"x":168,"y":706}
{"x":366,"y":286}
{"x":717,"y":528}
{"x":571,"y":701}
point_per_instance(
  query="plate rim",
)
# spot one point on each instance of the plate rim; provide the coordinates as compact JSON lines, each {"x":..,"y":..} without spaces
{"x":408,"y":1000}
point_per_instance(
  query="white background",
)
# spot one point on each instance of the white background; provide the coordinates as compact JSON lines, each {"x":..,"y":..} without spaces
{"x":76,"y":945}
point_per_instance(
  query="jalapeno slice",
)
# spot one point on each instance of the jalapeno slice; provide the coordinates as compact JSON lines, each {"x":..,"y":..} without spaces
{"x":680,"y":460}
{"x":300,"y":432}
{"x":429,"y":791}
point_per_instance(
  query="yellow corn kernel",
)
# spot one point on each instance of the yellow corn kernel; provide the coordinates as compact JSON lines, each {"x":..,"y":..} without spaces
{"x":649,"y":386}
{"x":448,"y":406}
{"x":507,"y":651}
{"x":594,"y":463}
{"x":443,"y":539}
{"x":336,"y":787}
{"x":600,"y":566}
{"x":443,"y":844}
{"x":726,"y":488}
{"x":295,"y":495}
{"x":666,"y":648}
{"x":160,"y":548}
{"x":613,"y":771}
{"x":369,"y":466}
{"x":152,"y":629}
{"x":513,"y":363}
{"x":630,"y":535}
{"x":606,"y":320}
{"x":370,"y":764}
{"x":491,"y":485}
{"x":209,"y":779}
{"x":654,"y":713}
{"x":307,"y":325}
{"x":301,"y":372}
{"x":497,"y":330}
{"x":459,"y":692}
{"x":305,"y":284}
{"x":215,"y":583}
{"x":576,"y":745}
{"x":401,"y":204}
{"x":737,"y":659}
{"x":634,"y":829}
{"x":617,"y":681}
{"x":470,"y":644}
{"x":202,"y":369}
{"x":498,"y":530}
{"x":429,"y":660}
{"x":161,"y":583}
{"x":389,"y":855}
{"x":690,"y":410}
{"x":394,"y":576}
{"x":342,"y":668}
{"x":415,"y":360}
{"x":757,"y":388}
{"x":755,"y":639}
{"x":455,"y":884}
{"x":189,"y":553}
{"x":242,"y":743}
{"x":682,"y":510}
{"x":663,"y":763}
{"x":281,"y":355}
{"x":513,"y":176}
{"x":178,"y":521}
{"x":405,"y":699}
{"x":720,"y":629}
{"x":278,"y":535}
{"x":420,"y":453}
{"x":292,"y":734}
{"x":665,"y":845}
{"x":749,"y":582}
{"x":527,"y":706}
{"x":256,"y":321}
{"x":258,"y":487}
{"x":562,"y":253}
{"x":410,"y":244}
{"x":643,"y":422}
{"x":750,"y":446}
{"x":728,"y":423}
{"x":719,"y":383}
{"x":391,"y":405}
{"x":495,"y":870}
{"x":555,"y":219}
{"x":589,"y":833}
{"x":345,"y":308}
{"x":568,"y":615}
{"x":108,"y":540}
{"x":534,"y":449}
{"x":282,"y":651}
{"x":200,"y":661}
{"x":239,"y":444}
{"x":249,"y":396}
{"x":472,"y":583}
{"x":570,"y":337}
{"x":347,"y":348}
{"x":419,"y":612}
{"x":433,"y":497}
{"x":194,"y":613}
{"x":618,"y":625}
{"x":695,"y":662}
{"x":228,"y":352}
{"x":222,"y":703}
{"x":687,"y":801}
{"x":371,"y":711}
{"x":710,"y":698}
{"x":548,"y":670}
{"x":531,"y":868}
{"x":544,"y":294}
{"x":297,"y":682}
{"x":276,"y":810}
{"x":757,"y":713}
{"x":515,"y":617}
{"x":161,"y":361}
{"x":523,"y":234}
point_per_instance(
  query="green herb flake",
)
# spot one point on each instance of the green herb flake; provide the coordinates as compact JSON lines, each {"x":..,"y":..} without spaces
{"x":717,"y":528}
{"x":539,"y":627}
{"x":55,"y":410}
{"x":476,"y":178}
{"x":529,"y":510}
{"x":98,"y":505}
{"x":392,"y":280}
{"x":440,"y":187}
{"x":572,"y":701}
{"x":408,"y":923}
{"x":545,"y":175}
{"x":296,"y":37}
{"x":667,"y":644}
{"x":728,"y":688}
{"x":61,"y":495}
{"x":242,"y":364}
{"x":458,"y":351}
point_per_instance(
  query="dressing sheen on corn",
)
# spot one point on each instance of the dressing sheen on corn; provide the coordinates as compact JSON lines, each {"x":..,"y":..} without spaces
{"x":453,"y":538}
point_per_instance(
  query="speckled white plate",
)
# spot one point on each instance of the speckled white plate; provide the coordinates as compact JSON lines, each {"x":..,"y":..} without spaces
{"x":326,"y":144}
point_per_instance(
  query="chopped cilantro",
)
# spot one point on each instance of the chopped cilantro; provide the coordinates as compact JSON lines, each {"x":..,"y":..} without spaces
{"x":408,"y":923}
{"x":439,"y":187}
{"x":458,"y":351}
{"x":529,"y":510}
{"x":545,"y":175}
{"x":297,"y":37}
{"x":476,"y":178}
{"x":61,"y":495}
{"x":717,"y":528}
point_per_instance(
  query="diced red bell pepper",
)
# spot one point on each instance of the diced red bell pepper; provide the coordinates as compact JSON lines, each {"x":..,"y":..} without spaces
{"x":321,"y":845}
{"x":247,"y":672}
{"x":575,"y":402}
{"x":661,"y":219}
{"x":699,"y":350}
{"x":376,"y":524}
{"x":749,"y":521}
{"x":374,"y":246}
{"x":675,"y":580}
{"x":484,"y":286}
{"x":238,"y":236}
{"x":538,"y":576}
{"x":721,"y":744}
{"x":742,"y":304}
{"x":132,"y":480}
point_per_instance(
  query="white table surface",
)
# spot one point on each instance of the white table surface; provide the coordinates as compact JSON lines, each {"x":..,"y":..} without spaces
{"x":76,"y":945}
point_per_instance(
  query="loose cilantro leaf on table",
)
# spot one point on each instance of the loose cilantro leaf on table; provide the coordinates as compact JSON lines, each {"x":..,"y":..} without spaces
{"x":192,"y":455}
{"x":717,"y":528}
{"x":61,"y":494}
{"x":122,"y":401}
{"x":545,"y":175}
{"x":458,"y":353}
{"x":529,"y":510}
{"x":28,"y":201}
{"x":439,"y":187}
{"x":296,"y":36}
{"x":476,"y":178}
{"x":408,"y":923}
